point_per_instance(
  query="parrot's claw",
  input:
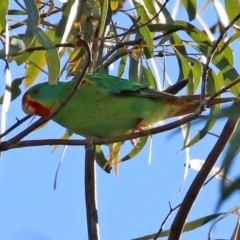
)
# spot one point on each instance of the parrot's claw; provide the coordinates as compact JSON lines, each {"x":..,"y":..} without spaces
{"x":134,"y":142}
{"x":139,"y":128}
{"x":89,"y":141}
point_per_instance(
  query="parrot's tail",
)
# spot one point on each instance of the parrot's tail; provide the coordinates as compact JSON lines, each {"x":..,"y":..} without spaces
{"x":191,"y":103}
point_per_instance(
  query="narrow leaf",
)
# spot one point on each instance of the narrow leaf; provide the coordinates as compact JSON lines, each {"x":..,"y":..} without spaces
{"x":3,"y":12}
{"x":191,"y":8}
{"x":32,"y":11}
{"x":51,"y":53}
{"x":188,"y":227}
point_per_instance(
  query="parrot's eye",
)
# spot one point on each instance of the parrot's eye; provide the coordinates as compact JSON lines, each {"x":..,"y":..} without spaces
{"x":35,"y":91}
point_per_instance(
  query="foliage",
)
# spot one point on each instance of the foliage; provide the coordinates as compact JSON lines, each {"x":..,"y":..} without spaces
{"x":142,"y":47}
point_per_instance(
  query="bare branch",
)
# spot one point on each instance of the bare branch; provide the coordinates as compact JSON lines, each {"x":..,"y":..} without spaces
{"x":90,"y":195}
{"x":18,"y":123}
{"x":179,"y":221}
{"x":171,"y":210}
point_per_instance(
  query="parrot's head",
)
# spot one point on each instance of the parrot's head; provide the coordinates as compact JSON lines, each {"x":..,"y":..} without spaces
{"x":40,"y":99}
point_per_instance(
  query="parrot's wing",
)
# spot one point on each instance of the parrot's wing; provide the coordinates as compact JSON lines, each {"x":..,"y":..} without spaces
{"x":147,"y":92}
{"x":122,"y":87}
{"x":112,"y":84}
{"x":152,"y":93}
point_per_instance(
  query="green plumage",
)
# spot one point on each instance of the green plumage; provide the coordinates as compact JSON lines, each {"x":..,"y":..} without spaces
{"x":105,"y":106}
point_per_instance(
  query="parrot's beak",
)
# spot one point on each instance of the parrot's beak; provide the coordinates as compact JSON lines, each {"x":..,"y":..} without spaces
{"x":30,"y":106}
{"x":27,"y":108}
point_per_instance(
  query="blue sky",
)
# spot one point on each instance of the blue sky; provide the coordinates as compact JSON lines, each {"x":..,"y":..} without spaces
{"x":132,"y":205}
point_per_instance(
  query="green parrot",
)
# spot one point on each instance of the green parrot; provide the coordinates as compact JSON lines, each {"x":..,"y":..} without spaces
{"x":107,"y":106}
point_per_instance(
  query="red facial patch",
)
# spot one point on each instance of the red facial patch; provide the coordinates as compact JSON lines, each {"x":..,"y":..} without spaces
{"x":39,"y":109}
{"x":34,"y":107}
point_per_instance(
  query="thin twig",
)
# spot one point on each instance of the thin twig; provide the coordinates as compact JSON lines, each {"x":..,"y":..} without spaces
{"x":119,"y":44}
{"x":12,"y":143}
{"x":18,"y":123}
{"x":165,"y":220}
{"x":144,"y":24}
{"x":111,"y":60}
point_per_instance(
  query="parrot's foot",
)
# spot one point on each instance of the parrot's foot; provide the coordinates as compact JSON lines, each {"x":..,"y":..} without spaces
{"x":139,"y":128}
{"x":134,"y":142}
{"x":89,"y":141}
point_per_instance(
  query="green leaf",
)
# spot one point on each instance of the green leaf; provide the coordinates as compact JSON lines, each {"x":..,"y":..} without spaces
{"x":227,"y":191}
{"x":167,"y":15}
{"x":15,"y":89}
{"x":232,"y":9}
{"x":230,"y":74}
{"x":115,"y":56}
{"x":143,"y":30}
{"x":230,"y":156}
{"x":141,"y":12}
{"x":224,"y":60}
{"x":36,"y":62}
{"x":3,"y":12}
{"x":196,"y":69}
{"x":133,"y":70}
{"x":196,"y":34}
{"x":81,"y":8}
{"x":160,"y":27}
{"x":32,"y":12}
{"x":29,"y":41}
{"x":16,"y":11}
{"x":101,"y":160}
{"x":148,"y":42}
{"x":122,"y":66}
{"x":179,"y":49}
{"x":148,"y":78}
{"x":214,"y":82}
{"x":191,"y":8}
{"x":188,"y":227}
{"x":104,"y":11}
{"x":16,"y":46}
{"x":223,"y":57}
{"x":150,"y":7}
{"x":212,"y":86}
{"x":50,"y":54}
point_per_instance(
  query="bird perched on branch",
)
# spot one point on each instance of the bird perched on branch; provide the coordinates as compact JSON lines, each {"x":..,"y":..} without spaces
{"x":107,"y":106}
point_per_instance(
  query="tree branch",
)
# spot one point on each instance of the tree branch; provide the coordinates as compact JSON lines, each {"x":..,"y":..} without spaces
{"x":90,"y":195}
{"x":179,"y":221}
{"x":171,"y":210}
